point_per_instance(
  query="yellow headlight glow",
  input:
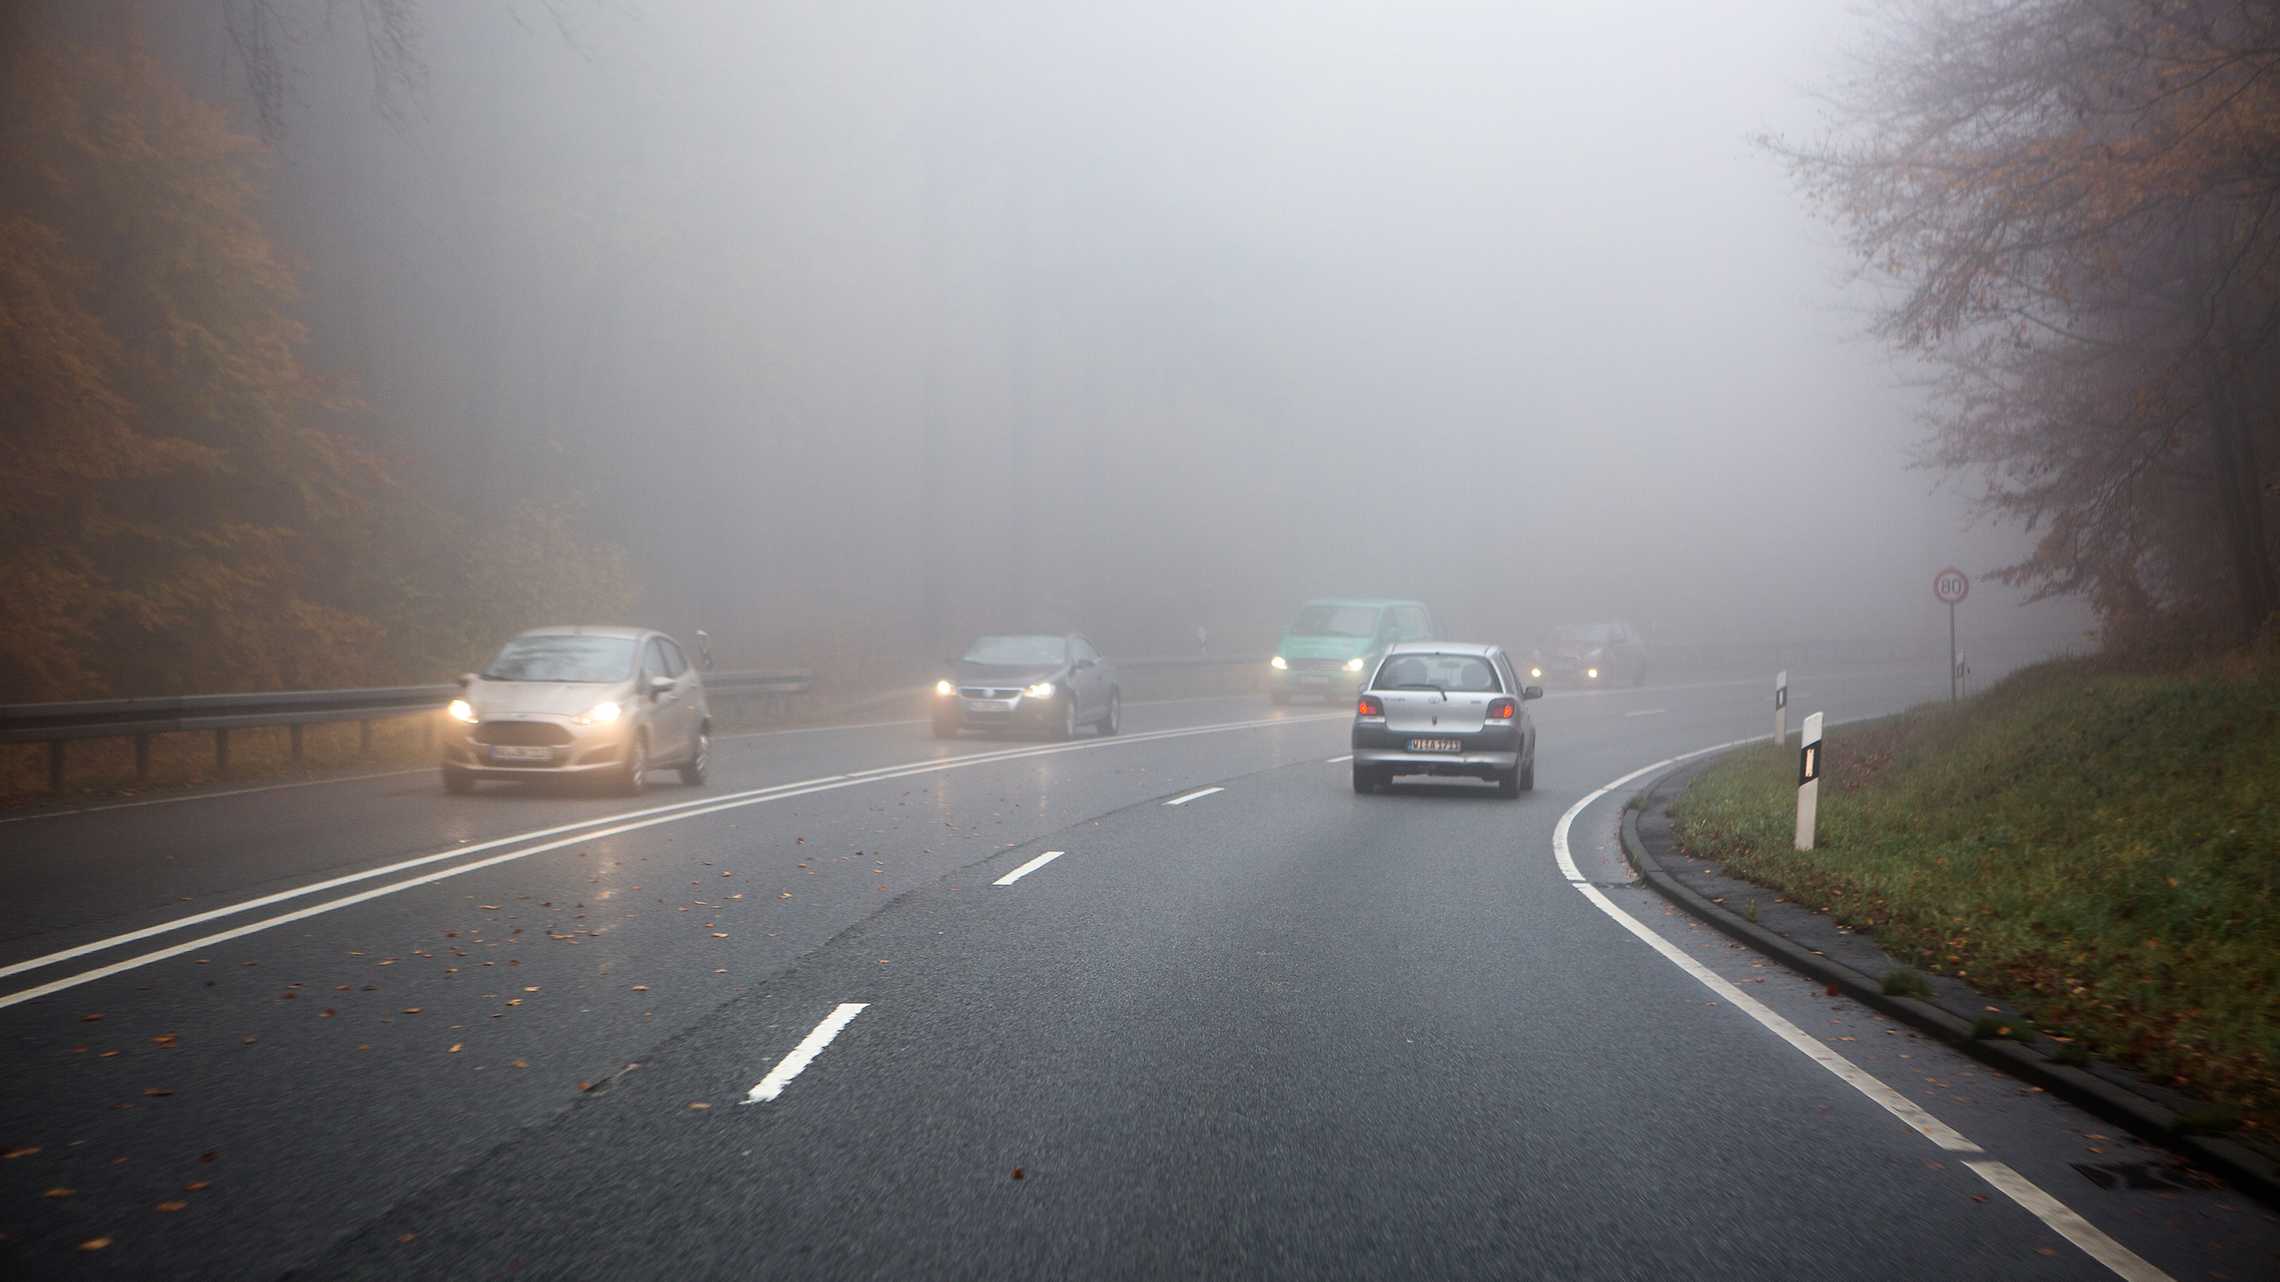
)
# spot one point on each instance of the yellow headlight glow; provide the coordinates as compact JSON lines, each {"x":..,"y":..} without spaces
{"x":1592,"y":673}
{"x":602,"y":714}
{"x":461,"y":710}
{"x":1042,"y":690}
{"x":1354,"y":664}
{"x":1279,"y":664}
{"x":944,"y":688}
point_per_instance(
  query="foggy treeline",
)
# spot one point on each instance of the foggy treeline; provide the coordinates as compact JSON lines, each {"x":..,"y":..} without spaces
{"x":341,"y":340}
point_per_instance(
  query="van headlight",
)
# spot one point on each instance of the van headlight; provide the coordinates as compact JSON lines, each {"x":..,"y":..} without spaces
{"x":1279,"y":664}
{"x":601,"y":714}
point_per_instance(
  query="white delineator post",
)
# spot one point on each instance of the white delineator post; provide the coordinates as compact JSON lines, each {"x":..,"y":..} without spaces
{"x":1781,"y":707}
{"x":1809,"y":782}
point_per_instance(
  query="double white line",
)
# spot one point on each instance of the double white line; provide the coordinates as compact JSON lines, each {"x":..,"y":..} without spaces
{"x":577,"y":833}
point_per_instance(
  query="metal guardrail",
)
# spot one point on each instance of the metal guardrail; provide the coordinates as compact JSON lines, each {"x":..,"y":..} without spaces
{"x":56,"y":724}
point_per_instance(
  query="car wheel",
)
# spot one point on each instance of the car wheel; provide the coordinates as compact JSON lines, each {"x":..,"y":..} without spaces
{"x":700,"y":762}
{"x":1367,"y":780}
{"x":1528,"y":774}
{"x":1508,"y":783}
{"x":634,"y":774}
{"x":1066,"y":727}
{"x":1113,"y":720}
{"x":458,"y":782}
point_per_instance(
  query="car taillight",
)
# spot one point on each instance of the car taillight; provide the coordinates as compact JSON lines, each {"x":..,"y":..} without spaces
{"x":1503,"y":709}
{"x":1369,"y":707}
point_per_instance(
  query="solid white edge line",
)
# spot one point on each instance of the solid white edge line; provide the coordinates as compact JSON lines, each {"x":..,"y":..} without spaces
{"x":1647,"y":712}
{"x":1198,"y":795}
{"x":582,"y":832}
{"x":248,"y":905}
{"x":791,"y":1066}
{"x":2055,"y":1214}
{"x":2067,"y":1223}
{"x":1028,"y":868}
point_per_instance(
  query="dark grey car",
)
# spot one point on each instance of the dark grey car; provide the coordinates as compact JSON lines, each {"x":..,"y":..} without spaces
{"x":1445,"y":708}
{"x":1052,"y":684}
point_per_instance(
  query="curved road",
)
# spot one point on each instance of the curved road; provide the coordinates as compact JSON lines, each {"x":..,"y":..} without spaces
{"x":844,"y":1012}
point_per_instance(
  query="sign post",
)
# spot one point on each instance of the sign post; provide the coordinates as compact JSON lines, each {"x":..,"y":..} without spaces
{"x":1781,"y":707}
{"x":1951,"y":586}
{"x":1809,"y":782}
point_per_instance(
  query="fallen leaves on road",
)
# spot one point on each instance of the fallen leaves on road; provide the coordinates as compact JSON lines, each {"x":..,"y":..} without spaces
{"x":520,"y":1063}
{"x":698,"y":1106}
{"x":1017,"y":1172}
{"x":21,"y":1150}
{"x":193,"y":1186}
{"x":514,"y":1001}
{"x":171,"y":1207}
{"x":641,"y":988}
{"x":92,"y":1017}
{"x":530,"y":988}
{"x":95,"y":1244}
{"x":163,"y":1039}
{"x":326,"y":1013}
{"x":59,"y":1192}
{"x":412,"y":1010}
{"x":722,"y":934}
{"x":157,"y":1092}
{"x":455,"y":1048}
{"x":405,"y":1239}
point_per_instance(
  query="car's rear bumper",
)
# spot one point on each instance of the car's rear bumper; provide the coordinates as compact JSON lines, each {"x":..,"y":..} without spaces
{"x":1494,"y":750}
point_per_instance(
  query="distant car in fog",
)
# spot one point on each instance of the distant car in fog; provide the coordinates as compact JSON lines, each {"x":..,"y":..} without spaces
{"x":1445,"y":708}
{"x":605,"y":703}
{"x":1333,"y":643}
{"x":1589,"y":654}
{"x":1041,"y":683}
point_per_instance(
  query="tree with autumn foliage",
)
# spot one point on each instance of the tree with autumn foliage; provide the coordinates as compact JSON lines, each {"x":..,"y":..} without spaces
{"x":184,"y":505}
{"x":2070,"y":208}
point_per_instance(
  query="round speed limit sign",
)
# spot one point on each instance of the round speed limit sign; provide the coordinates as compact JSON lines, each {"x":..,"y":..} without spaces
{"x":1951,"y":585}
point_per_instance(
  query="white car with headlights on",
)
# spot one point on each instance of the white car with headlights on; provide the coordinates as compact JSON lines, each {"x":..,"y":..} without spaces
{"x":605,"y":703}
{"x":1445,"y":708}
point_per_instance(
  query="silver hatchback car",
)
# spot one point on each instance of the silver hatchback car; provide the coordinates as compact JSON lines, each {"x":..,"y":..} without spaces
{"x":611,"y":703}
{"x":1445,"y":708}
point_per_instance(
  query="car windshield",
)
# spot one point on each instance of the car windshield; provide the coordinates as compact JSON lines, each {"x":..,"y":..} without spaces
{"x":1582,"y":634}
{"x":1009,"y":652}
{"x":1323,"y":620}
{"x":563,"y":656}
{"x":1461,"y":673}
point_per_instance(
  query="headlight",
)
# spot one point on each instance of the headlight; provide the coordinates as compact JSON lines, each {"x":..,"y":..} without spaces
{"x":1354,"y":664}
{"x":461,"y":710}
{"x":1279,"y":664}
{"x":945,"y":689}
{"x":601,"y":714}
{"x":1042,"y":690}
{"x":1592,"y":673}
{"x":1535,"y":674}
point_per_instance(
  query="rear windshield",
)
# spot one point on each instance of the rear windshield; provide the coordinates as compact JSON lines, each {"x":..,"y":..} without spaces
{"x":563,"y":657}
{"x":1336,"y":621}
{"x":1462,"y":673}
{"x":1018,"y":651}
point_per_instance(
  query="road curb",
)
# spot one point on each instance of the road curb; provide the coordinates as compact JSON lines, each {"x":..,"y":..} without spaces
{"x":2246,"y":1168}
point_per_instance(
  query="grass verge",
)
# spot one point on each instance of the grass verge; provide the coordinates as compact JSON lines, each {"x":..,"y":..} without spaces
{"x":2099,"y":847}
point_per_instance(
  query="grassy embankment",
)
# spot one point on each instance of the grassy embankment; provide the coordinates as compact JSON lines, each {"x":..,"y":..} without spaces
{"x":2100,"y":847}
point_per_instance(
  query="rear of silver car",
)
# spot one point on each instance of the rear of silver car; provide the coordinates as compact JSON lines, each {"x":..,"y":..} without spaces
{"x":1479,"y":733}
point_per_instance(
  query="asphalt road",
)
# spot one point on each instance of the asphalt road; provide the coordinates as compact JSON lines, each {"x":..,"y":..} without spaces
{"x":790,"y":1024}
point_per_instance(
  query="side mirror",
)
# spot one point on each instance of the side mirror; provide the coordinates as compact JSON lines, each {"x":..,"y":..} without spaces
{"x":466,"y":679}
{"x":1531,"y":692}
{"x":659,"y":686}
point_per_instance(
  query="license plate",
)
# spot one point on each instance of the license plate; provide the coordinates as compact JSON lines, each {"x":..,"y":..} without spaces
{"x":522,"y":754}
{"x":1436,"y":745}
{"x":1313,"y":680}
{"x":988,"y":707}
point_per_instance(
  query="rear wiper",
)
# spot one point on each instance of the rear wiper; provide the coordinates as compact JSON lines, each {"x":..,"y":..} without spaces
{"x":1421,"y":685}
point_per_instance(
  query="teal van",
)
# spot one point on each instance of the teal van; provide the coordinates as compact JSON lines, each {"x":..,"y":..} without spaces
{"x":1329,"y":648}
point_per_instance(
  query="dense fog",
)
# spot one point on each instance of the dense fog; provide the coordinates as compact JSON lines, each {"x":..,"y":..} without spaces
{"x":864,"y":327}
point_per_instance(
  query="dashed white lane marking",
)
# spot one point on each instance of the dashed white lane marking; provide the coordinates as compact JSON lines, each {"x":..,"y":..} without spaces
{"x":792,"y":1065}
{"x":1334,"y":761}
{"x":1028,"y":868}
{"x":1197,"y":795}
{"x":583,"y":831}
{"x":2053,"y":1213}
{"x":1647,"y":712}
